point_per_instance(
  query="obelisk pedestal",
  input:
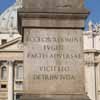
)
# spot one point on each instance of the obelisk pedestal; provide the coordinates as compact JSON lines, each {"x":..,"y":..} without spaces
{"x":53,"y":49}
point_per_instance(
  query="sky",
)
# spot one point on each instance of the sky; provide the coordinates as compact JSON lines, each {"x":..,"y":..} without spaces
{"x":94,"y":8}
{"x":92,"y":5}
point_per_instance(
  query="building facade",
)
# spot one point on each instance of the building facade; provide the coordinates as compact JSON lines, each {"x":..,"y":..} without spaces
{"x":11,"y":57}
{"x":92,"y":60}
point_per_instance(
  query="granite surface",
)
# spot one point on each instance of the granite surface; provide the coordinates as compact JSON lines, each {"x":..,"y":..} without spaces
{"x":53,"y":61}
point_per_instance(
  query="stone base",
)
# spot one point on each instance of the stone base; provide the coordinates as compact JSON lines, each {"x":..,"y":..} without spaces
{"x":54,"y":97}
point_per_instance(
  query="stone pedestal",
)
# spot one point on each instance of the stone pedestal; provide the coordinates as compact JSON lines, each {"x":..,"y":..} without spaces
{"x":53,"y":53}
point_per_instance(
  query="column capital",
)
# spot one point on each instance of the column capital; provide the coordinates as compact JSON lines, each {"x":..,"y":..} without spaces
{"x":10,"y":62}
{"x":90,"y":64}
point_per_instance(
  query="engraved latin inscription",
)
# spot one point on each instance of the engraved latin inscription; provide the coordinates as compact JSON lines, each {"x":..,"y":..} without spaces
{"x":54,"y":56}
{"x":53,"y":48}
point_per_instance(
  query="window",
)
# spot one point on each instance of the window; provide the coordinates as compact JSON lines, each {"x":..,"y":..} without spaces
{"x":3,"y":41}
{"x":19,"y":72}
{"x":3,"y":86}
{"x":18,"y":96}
{"x":4,"y":73}
{"x":19,"y":85}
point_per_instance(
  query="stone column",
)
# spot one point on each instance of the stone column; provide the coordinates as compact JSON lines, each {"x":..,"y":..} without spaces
{"x":98,"y":79}
{"x":10,"y":80}
{"x":90,"y":70}
{"x":92,"y":83}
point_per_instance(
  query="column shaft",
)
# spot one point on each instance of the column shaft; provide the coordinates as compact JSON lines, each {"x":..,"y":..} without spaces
{"x":10,"y":81}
